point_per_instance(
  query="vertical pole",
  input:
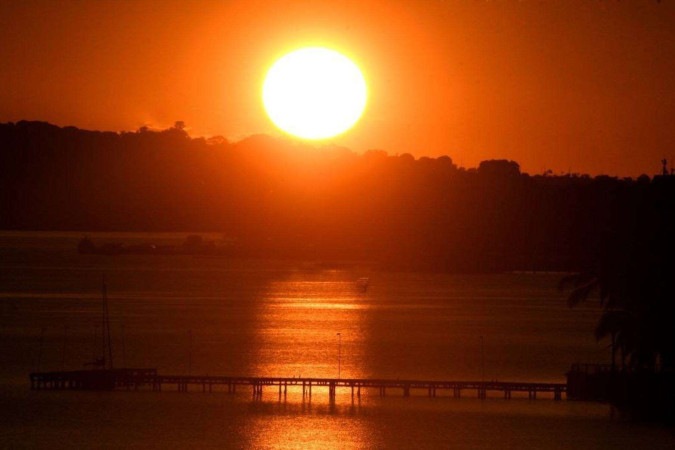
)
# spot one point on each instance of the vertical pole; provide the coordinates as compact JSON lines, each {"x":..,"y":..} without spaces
{"x":107,"y":341}
{"x":95,"y":349}
{"x":339,"y":335}
{"x":63,"y":353}
{"x":190,"y":352}
{"x":103,"y":328}
{"x":124,"y":347}
{"x":482,"y":359}
{"x":42,"y":340}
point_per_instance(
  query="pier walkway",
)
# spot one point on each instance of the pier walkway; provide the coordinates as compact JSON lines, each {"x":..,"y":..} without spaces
{"x":148,"y":379}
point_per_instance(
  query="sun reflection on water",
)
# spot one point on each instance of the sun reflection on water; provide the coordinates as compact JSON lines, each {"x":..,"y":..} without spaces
{"x":309,"y":426}
{"x":299,"y":321}
{"x":297,"y":330}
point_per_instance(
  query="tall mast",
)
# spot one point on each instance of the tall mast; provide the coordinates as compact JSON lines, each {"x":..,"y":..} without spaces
{"x":107,"y":341}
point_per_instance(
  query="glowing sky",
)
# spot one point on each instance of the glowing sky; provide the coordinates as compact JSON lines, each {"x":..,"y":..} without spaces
{"x":585,"y":86}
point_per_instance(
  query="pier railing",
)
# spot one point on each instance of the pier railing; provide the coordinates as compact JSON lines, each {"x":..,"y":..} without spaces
{"x":149,"y":379}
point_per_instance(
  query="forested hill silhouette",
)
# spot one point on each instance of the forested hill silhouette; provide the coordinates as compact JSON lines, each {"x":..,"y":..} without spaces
{"x":280,"y":198}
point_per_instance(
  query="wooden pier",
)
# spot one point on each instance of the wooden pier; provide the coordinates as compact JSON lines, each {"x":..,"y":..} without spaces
{"x":149,"y":379}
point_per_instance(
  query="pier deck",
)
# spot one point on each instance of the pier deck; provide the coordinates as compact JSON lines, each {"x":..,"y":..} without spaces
{"x":149,"y":379}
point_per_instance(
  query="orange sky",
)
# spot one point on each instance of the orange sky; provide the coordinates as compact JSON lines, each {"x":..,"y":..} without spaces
{"x":584,"y":86}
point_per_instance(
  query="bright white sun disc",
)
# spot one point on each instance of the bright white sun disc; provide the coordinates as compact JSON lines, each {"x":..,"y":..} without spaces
{"x":314,"y":93}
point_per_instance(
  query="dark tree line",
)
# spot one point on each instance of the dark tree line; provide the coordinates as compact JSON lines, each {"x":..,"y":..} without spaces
{"x":281,"y":198}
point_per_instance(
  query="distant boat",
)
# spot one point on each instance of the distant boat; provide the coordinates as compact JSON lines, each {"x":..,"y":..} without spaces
{"x":102,"y":374}
{"x":362,"y":283}
{"x":105,"y":361}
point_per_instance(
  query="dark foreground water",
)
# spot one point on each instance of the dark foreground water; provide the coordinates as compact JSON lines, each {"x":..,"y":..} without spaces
{"x":201,"y":315}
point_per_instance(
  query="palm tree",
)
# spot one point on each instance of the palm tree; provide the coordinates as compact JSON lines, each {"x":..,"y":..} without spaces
{"x":633,"y":277}
{"x":614,"y":321}
{"x":618,"y":325}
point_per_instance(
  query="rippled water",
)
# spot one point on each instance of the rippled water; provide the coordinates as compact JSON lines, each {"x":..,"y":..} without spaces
{"x":200,"y":315}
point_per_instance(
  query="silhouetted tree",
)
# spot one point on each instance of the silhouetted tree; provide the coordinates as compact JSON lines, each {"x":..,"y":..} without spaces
{"x":499,"y":168}
{"x":632,"y":276}
{"x":279,"y":197}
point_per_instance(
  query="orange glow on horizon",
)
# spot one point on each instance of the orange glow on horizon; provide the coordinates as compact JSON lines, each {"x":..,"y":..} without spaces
{"x":561,"y":85}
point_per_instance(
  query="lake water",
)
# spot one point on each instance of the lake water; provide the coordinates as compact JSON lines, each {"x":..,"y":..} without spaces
{"x":218,"y":316}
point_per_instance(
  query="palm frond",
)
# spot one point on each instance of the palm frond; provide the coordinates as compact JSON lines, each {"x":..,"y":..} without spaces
{"x":612,"y":322}
{"x":581,"y":293}
{"x":575,"y":280}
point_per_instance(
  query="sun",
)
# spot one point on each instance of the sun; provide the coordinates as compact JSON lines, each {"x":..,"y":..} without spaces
{"x":314,"y":93}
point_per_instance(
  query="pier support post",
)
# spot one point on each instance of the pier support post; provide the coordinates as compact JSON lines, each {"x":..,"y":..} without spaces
{"x":129,"y":377}
{"x":257,"y":390}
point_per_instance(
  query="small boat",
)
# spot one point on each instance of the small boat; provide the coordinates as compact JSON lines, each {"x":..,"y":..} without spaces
{"x":362,"y":284}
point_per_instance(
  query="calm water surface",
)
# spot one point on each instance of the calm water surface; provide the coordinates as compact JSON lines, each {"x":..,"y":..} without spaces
{"x":200,"y":315}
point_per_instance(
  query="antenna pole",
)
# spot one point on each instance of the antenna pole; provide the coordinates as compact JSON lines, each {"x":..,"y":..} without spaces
{"x":339,"y":335}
